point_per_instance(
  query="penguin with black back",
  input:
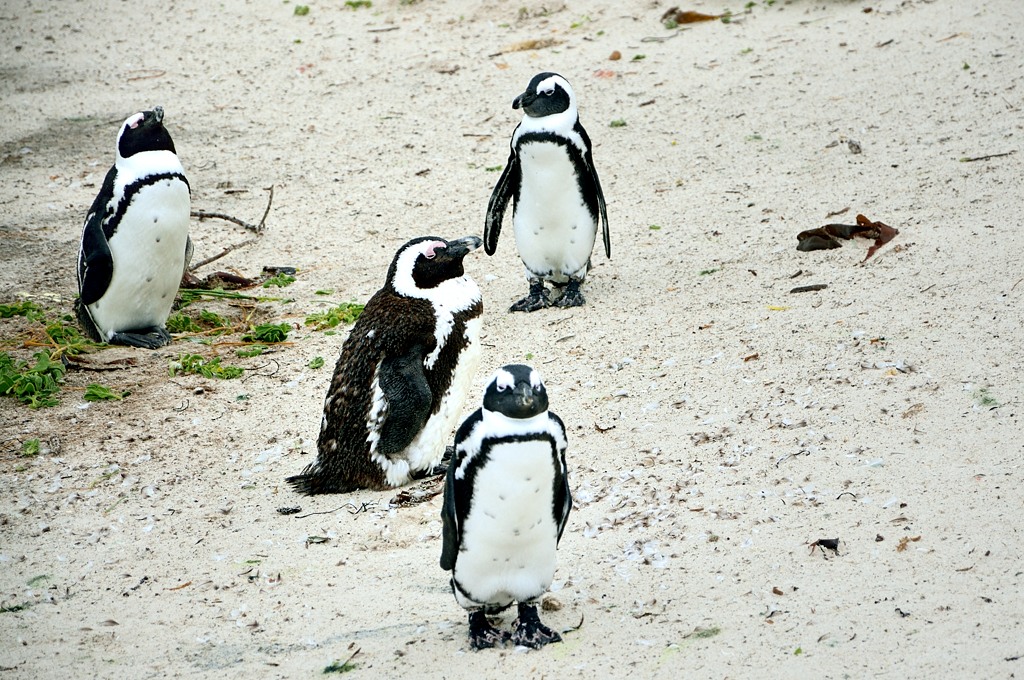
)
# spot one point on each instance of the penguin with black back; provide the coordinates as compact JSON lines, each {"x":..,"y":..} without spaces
{"x":506,"y":503}
{"x":135,"y":243}
{"x":557,"y":198}
{"x":402,"y":378}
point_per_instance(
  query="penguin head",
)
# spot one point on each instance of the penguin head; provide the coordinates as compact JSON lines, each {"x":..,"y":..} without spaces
{"x":144,"y":131}
{"x":424,"y":263}
{"x":516,"y":391}
{"x":547,"y":94}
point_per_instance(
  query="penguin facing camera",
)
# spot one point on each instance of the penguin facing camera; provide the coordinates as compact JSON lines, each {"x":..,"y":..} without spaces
{"x":557,"y":198}
{"x":506,"y":502}
{"x":403,"y":374}
{"x":135,"y":244}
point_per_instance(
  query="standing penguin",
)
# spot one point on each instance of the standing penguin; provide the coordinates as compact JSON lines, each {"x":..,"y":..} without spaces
{"x":403,"y":374}
{"x":558,"y":201}
{"x":506,"y":502}
{"x":135,"y":244}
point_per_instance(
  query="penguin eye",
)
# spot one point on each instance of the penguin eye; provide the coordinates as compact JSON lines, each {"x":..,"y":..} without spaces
{"x":501,"y":388}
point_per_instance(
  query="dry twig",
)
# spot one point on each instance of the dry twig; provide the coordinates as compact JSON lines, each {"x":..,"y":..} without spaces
{"x":256,"y":228}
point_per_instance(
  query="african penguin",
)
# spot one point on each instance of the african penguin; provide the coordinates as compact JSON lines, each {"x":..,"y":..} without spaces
{"x":506,"y":502}
{"x":135,"y":243}
{"x":557,"y":197}
{"x":402,"y":378}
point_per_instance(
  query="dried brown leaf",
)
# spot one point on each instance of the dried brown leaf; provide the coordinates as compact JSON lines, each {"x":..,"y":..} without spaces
{"x":680,"y":17}
{"x":827,"y":237}
{"x":536,"y":44}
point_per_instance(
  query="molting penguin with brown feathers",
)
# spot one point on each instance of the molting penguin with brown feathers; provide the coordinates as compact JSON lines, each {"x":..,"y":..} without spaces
{"x":403,"y":375}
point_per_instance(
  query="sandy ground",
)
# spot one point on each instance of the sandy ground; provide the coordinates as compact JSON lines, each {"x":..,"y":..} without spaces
{"x":719,"y":425}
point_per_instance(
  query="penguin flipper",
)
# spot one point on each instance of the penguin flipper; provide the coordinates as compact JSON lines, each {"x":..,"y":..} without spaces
{"x":449,"y":521}
{"x":563,"y":496}
{"x":456,"y":494}
{"x":588,"y":156}
{"x":500,"y":197}
{"x":189,"y":249}
{"x":605,"y":233}
{"x":404,"y":384}
{"x":95,"y":263}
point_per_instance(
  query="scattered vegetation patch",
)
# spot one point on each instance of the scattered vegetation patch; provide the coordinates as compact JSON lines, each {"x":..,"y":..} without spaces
{"x":14,"y":607}
{"x":33,"y":384}
{"x":267,"y":332}
{"x":985,"y":398}
{"x":26,"y":308}
{"x":705,"y":633}
{"x":280,"y":280}
{"x":316,"y":363}
{"x":65,"y":338}
{"x":97,"y":392}
{"x":345,"y":313}
{"x":208,"y":368}
{"x":342,"y":666}
{"x":29,"y":448}
{"x":251,"y":351}
{"x":179,"y":322}
{"x":190,"y":295}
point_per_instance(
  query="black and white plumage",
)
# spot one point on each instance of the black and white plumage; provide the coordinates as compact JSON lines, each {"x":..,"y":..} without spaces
{"x":403,"y":374}
{"x":506,"y":503}
{"x":556,"y":194}
{"x":135,"y":243}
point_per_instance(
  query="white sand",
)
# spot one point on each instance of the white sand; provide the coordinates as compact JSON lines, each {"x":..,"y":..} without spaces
{"x":718,"y":424}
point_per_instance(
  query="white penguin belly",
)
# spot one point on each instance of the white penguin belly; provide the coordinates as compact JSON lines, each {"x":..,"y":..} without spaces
{"x":510,"y":537}
{"x":148,"y":252}
{"x":554,"y":230}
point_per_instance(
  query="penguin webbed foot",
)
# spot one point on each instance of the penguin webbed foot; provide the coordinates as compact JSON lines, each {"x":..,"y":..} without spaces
{"x":571,"y":297}
{"x":146,"y":338}
{"x":537,"y":299}
{"x":529,"y":631}
{"x":482,"y":635}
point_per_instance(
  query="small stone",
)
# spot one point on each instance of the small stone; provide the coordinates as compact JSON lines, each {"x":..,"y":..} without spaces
{"x":550,"y":603}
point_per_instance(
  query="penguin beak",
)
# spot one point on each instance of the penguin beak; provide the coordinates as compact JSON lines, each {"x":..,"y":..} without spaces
{"x":524,"y":396}
{"x":158,"y":114}
{"x":463,"y":246}
{"x":524,"y":100}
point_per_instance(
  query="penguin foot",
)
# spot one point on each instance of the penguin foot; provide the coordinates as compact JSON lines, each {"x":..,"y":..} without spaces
{"x":537,"y":299}
{"x":572,"y":297}
{"x":147,"y":338}
{"x":529,"y":631}
{"x":482,"y":635}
